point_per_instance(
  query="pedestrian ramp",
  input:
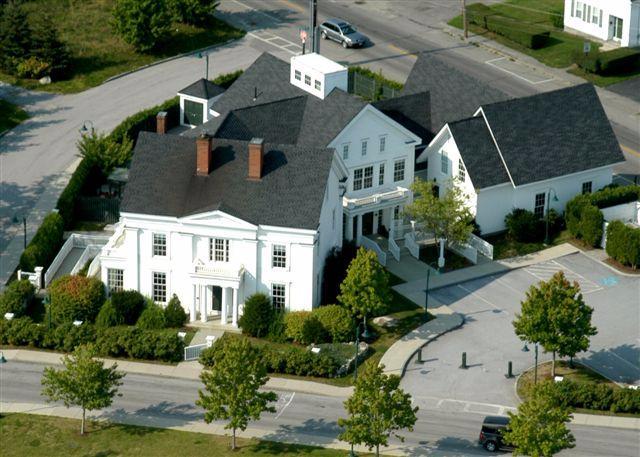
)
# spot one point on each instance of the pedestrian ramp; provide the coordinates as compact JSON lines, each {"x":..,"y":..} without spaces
{"x":545,"y":270}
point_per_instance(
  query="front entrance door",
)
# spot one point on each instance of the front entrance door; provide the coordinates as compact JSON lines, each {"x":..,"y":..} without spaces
{"x":216,"y":303}
{"x":367,"y":223}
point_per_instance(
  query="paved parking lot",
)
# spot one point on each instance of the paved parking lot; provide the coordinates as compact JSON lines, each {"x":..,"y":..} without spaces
{"x":489,"y":306}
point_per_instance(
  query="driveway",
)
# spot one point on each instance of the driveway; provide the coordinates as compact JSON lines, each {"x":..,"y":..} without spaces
{"x":490,"y":305}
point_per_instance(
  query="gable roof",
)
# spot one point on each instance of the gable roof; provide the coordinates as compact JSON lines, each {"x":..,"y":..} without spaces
{"x":454,"y":95}
{"x":552,"y":134}
{"x":202,"y":89}
{"x":479,"y":153}
{"x":411,"y":111}
{"x":264,"y":92}
{"x":290,"y":193}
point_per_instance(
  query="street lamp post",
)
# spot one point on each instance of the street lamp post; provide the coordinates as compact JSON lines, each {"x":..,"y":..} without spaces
{"x":365,"y":335}
{"x":206,"y":56}
{"x":555,"y":199}
{"x":535,"y":368}
{"x":426,"y":292}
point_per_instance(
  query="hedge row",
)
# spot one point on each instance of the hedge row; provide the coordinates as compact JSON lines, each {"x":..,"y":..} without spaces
{"x":601,"y":397}
{"x":528,"y":35}
{"x":291,"y":360}
{"x":614,"y":195}
{"x":133,"y":342}
{"x":146,"y":120}
{"x":613,"y":62}
{"x":623,"y":243}
{"x":44,"y":245}
{"x":330,"y":323}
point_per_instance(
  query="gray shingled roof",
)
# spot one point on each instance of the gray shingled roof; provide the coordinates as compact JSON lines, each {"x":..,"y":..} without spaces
{"x":202,"y":89}
{"x":265,"y":84}
{"x":479,"y":152}
{"x":454,"y":94}
{"x":553,"y":134}
{"x":411,"y":111}
{"x":290,"y":193}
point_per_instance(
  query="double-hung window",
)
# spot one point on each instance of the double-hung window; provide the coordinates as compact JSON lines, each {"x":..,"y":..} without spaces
{"x":398,"y":170}
{"x":318,"y":84}
{"x":159,"y":244}
{"x":279,"y":296}
{"x":364,"y":147}
{"x":539,"y":204}
{"x":579,"y":10}
{"x":307,"y":80}
{"x":595,"y":15}
{"x":462,"y":172}
{"x":219,"y":249}
{"x":115,"y":279}
{"x":159,"y":287}
{"x":298,"y":75}
{"x":368,"y":178}
{"x":586,"y":187}
{"x":383,"y":143}
{"x":381,"y":175}
{"x":357,"y":178}
{"x":279,"y":256}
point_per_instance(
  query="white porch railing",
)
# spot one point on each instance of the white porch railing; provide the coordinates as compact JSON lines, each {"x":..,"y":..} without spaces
{"x":90,"y":252}
{"x":485,"y":248}
{"x":411,"y":244}
{"x":398,"y":193}
{"x":465,"y":250}
{"x":193,"y":352}
{"x":400,"y":227}
{"x":34,"y":277}
{"x":201,"y":268}
{"x":373,"y":246}
{"x":76,"y":240}
{"x":394,"y":248}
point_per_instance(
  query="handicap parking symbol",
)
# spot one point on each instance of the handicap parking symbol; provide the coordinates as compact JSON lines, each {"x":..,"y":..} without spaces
{"x":609,"y":281}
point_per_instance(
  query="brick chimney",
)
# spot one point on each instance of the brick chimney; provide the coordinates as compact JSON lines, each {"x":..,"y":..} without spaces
{"x":256,"y":159}
{"x":161,"y":123}
{"x":203,"y":153}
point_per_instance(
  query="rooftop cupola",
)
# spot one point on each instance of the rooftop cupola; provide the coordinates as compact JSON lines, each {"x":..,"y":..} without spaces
{"x":318,"y":75}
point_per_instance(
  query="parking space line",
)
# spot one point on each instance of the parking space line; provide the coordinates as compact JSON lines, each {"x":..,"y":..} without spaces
{"x":283,"y":47}
{"x":491,"y":62}
{"x":286,"y":405}
{"x":470,"y":292}
{"x":544,"y":271}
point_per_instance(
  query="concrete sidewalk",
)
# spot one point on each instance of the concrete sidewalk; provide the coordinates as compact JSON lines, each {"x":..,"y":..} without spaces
{"x":415,"y":290}
{"x":183,"y":370}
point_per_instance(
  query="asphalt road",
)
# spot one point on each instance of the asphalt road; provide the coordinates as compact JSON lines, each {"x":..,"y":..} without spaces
{"x":489,"y":306}
{"x":301,"y":418}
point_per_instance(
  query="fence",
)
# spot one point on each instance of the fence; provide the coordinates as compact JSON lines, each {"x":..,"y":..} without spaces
{"x":483,"y":247}
{"x":373,"y":246}
{"x":394,"y":248}
{"x":465,"y":250}
{"x":34,"y":277}
{"x":411,"y":244}
{"x":91,"y":244}
{"x":193,"y":352}
{"x":369,"y":88}
{"x":98,"y":209}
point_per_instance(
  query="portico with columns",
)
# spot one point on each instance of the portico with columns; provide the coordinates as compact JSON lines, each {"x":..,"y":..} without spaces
{"x":206,"y":305}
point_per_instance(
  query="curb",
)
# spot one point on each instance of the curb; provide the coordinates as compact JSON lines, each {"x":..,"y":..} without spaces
{"x":603,"y":263}
{"x":168,"y":59}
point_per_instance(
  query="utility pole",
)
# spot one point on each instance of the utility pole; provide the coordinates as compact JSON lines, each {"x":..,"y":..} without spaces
{"x":314,"y":45}
{"x":465,"y":24}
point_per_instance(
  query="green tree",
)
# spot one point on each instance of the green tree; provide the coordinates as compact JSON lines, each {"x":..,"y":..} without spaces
{"x":15,"y":36}
{"x":539,"y":427}
{"x":174,"y":313}
{"x":142,"y":23}
{"x":103,"y":151}
{"x":197,"y":12}
{"x":83,"y":382}
{"x":76,"y":297}
{"x":447,"y":218}
{"x":152,"y":318}
{"x":48,"y":48}
{"x":365,"y":291}
{"x":555,"y":315}
{"x":232,"y":385}
{"x":257,"y":316}
{"x":377,"y":409}
{"x":17,"y":297}
{"x":108,"y":316}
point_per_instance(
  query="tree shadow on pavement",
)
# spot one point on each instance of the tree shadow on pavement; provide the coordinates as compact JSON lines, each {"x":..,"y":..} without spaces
{"x":619,"y":364}
{"x":311,"y":432}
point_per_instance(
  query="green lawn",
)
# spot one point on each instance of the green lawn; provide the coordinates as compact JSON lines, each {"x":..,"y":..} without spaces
{"x":559,"y":53}
{"x":10,"y":115}
{"x":24,"y":435}
{"x":430,"y":254}
{"x":98,"y":53}
{"x":504,"y":247}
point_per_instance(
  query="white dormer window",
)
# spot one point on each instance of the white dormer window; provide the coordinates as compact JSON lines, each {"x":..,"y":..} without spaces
{"x":462,"y":172}
{"x":444,"y":162}
{"x":345,"y":151}
{"x":318,"y":85}
{"x":383,"y":143}
{"x":364,"y":147}
{"x":298,"y":75}
{"x":307,"y":80}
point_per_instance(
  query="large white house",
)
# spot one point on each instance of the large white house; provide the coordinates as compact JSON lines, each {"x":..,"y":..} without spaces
{"x":606,"y":20}
{"x":254,"y":198}
{"x":535,"y":153}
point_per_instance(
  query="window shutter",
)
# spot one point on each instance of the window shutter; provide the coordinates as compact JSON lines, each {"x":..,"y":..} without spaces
{"x":573,"y":8}
{"x":600,"y":25}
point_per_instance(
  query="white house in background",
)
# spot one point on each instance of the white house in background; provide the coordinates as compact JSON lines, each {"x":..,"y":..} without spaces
{"x":196,"y":101}
{"x":215,"y":221}
{"x":606,"y":20}
{"x":534,"y":153}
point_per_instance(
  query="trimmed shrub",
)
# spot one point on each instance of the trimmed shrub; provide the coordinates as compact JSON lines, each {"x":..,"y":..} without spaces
{"x":174,"y":313}
{"x":277,"y":329}
{"x":66,"y":337}
{"x":623,"y":243}
{"x":621,"y":60}
{"x":573,"y":213}
{"x":304,"y":328}
{"x":45,"y":244}
{"x":601,"y":397}
{"x":524,"y":226}
{"x":336,"y":321}
{"x":591,"y":221}
{"x":16,"y":298}
{"x":129,"y":304}
{"x":22,"y":332}
{"x":137,"y":343}
{"x":227,"y":79}
{"x":614,"y":195}
{"x":76,"y":297}
{"x":152,"y":318}
{"x":257,"y":316}
{"x":528,"y":35}
{"x":67,"y":201}
{"x":146,"y":121}
{"x":299,"y":361}
{"x":108,"y":316}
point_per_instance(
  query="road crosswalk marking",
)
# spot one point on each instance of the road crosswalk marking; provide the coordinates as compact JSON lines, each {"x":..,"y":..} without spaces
{"x":544,"y":271}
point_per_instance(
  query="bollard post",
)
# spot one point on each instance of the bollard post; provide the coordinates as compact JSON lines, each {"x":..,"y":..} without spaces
{"x":464,"y":361}
{"x":420,"y":356}
{"x":509,"y":370}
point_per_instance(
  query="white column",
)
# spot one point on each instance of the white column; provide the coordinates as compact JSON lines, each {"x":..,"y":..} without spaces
{"x":359,"y":230}
{"x":192,"y":309}
{"x":225,"y":305}
{"x":203,"y":304}
{"x":349,"y":227}
{"x":376,"y":222}
{"x":234,"y":316}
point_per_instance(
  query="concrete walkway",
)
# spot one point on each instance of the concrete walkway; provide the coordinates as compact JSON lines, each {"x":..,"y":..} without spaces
{"x":183,"y":370}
